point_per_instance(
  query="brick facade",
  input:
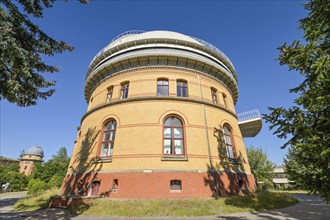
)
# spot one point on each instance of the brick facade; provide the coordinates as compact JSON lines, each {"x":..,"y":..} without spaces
{"x":138,"y":163}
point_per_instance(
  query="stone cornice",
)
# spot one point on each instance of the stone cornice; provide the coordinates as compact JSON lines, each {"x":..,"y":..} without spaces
{"x":197,"y":68}
{"x":152,"y":98}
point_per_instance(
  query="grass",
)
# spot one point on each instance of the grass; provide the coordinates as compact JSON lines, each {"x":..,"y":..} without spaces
{"x":186,"y":207}
{"x":305,"y":192}
{"x":36,"y":202}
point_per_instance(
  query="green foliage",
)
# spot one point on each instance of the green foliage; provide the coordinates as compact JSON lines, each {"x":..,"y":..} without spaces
{"x":307,"y":123}
{"x":261,"y":167}
{"x":36,"y":202}
{"x":11,"y":174}
{"x":54,"y":170}
{"x":55,"y":181}
{"x":186,"y":207}
{"x":36,"y":186}
{"x":22,"y":45}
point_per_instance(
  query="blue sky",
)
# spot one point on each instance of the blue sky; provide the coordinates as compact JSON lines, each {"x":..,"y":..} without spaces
{"x":248,"y":32}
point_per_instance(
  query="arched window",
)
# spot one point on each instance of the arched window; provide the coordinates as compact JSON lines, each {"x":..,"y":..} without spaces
{"x":181,"y":88}
{"x":173,"y":137}
{"x":162,"y":87}
{"x":108,"y":139}
{"x":229,"y":142}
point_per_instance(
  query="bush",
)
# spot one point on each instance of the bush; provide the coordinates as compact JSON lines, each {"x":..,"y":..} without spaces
{"x":55,"y":181}
{"x":36,"y":186}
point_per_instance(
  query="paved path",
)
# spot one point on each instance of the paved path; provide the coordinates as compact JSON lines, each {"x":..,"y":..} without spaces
{"x":7,"y":200}
{"x":310,"y":207}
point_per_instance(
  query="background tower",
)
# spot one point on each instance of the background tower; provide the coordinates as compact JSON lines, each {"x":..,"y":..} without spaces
{"x":29,"y":158}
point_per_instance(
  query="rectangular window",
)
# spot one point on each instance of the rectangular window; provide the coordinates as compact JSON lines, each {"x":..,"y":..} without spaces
{"x":124,"y":90}
{"x":214,"y":96}
{"x":162,"y":87}
{"x":109,"y":94}
{"x":224,"y":99}
{"x":175,"y":185}
{"x":181,"y":89}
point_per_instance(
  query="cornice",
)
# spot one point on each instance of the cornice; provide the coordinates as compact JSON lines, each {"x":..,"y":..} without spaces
{"x":154,"y":98}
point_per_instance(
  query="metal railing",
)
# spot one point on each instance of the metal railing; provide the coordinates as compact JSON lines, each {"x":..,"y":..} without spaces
{"x":253,"y":114}
{"x":212,"y":47}
{"x":116,"y":38}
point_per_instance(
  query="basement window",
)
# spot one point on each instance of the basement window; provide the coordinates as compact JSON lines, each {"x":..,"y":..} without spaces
{"x":175,"y":185}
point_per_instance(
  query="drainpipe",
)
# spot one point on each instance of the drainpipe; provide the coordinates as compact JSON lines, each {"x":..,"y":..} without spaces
{"x":207,"y":139}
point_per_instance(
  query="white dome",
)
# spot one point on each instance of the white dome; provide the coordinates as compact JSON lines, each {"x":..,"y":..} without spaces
{"x":124,"y":38}
{"x":34,"y":151}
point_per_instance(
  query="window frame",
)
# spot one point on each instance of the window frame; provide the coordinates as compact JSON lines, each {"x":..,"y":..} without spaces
{"x":224,"y":97}
{"x":231,"y":145}
{"x":163,"y":86}
{"x":174,"y":186}
{"x":111,"y":142}
{"x":214,"y":95}
{"x":109,"y":93}
{"x":180,"y":86}
{"x":172,"y":138}
{"x":124,"y":88}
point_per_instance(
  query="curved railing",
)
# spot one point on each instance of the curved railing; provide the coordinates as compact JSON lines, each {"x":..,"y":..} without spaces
{"x":244,"y":116}
{"x":214,"y":48}
{"x":116,"y":38}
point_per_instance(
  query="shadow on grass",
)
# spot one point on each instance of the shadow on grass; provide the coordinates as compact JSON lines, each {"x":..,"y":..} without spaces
{"x":262,"y":201}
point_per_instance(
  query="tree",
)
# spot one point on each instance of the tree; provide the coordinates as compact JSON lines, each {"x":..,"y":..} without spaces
{"x":22,"y":44}
{"x":18,"y":181}
{"x":307,"y":123}
{"x":261,"y":167}
{"x":54,"y":170}
{"x":61,"y":156}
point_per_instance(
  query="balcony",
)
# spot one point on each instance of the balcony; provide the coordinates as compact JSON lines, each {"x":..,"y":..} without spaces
{"x":250,"y":123}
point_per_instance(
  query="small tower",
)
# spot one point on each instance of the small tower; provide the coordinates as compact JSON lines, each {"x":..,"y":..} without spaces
{"x":29,"y":158}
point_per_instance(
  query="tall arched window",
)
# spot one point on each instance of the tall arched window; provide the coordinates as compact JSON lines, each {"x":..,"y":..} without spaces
{"x":229,"y":141}
{"x":108,"y":139}
{"x":162,"y":87}
{"x":173,"y":137}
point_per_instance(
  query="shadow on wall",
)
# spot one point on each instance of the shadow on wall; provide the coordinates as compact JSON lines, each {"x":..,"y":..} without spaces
{"x":226,"y":176}
{"x":84,"y":167}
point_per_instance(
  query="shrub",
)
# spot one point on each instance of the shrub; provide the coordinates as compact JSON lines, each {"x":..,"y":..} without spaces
{"x":55,"y":181}
{"x":36,"y":186}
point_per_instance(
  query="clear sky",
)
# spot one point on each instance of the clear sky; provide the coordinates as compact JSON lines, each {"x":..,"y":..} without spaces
{"x":248,"y":32}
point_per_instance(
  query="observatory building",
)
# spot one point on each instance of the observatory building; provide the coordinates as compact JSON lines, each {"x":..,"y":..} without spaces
{"x":161,"y":122}
{"x":29,"y":158}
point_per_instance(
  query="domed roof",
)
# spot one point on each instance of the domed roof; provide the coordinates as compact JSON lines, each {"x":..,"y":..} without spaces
{"x":138,"y":49}
{"x":34,"y":151}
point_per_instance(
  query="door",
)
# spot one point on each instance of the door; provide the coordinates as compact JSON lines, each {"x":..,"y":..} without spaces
{"x":95,"y":188}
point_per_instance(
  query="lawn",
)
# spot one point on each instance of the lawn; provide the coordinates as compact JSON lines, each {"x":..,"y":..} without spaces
{"x":36,"y":202}
{"x":185,"y":207}
{"x":167,"y":207}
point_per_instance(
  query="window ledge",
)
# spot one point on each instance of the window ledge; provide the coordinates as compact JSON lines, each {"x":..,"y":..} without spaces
{"x":103,"y":160}
{"x":174,"y":158}
{"x":234,"y":161}
{"x":175,"y":191}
